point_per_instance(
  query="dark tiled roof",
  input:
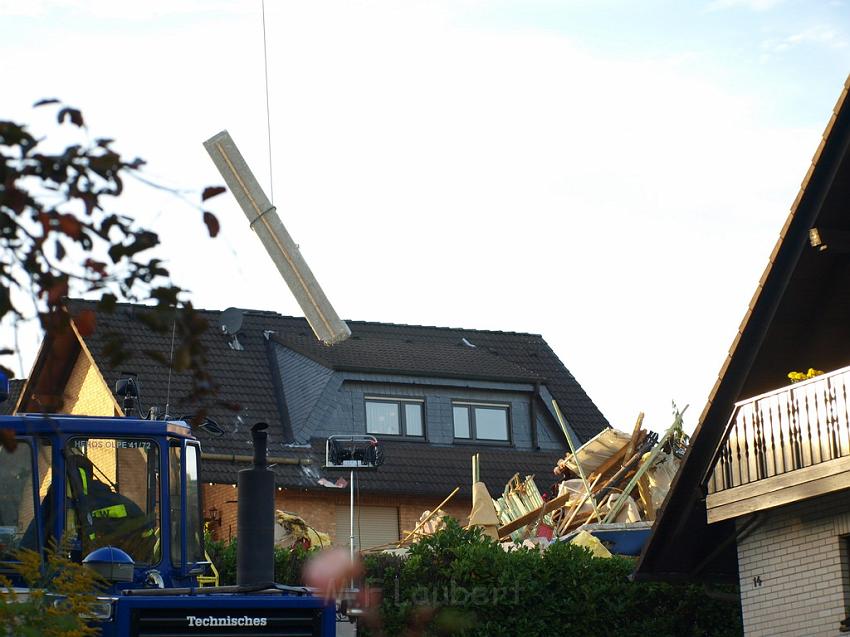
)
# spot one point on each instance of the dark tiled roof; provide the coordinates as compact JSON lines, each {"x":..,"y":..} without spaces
{"x":243,"y":376}
{"x":15,"y":387}
{"x":407,"y":470}
{"x":440,"y":351}
{"x":415,"y":350}
{"x":374,"y":347}
{"x":246,"y":378}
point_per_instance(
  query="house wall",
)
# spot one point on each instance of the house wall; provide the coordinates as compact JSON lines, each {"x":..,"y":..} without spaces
{"x":319,"y":510}
{"x":85,"y":393}
{"x":794,"y":574}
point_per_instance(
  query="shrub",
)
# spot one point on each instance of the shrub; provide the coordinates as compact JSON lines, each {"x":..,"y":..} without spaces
{"x":61,"y":594}
{"x":464,"y":583}
{"x":288,"y":563}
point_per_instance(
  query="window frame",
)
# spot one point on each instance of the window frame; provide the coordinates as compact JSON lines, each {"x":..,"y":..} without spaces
{"x":399,"y":402}
{"x":470,"y":406}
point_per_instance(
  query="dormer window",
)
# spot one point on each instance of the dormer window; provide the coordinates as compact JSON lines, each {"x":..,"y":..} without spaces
{"x":481,"y":421}
{"x":395,"y":417}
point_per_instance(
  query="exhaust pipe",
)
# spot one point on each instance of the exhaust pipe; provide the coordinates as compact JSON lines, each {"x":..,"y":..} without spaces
{"x":255,"y":517}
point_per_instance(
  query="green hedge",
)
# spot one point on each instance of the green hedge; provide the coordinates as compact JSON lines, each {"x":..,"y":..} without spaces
{"x":460,"y":582}
{"x":288,"y":563}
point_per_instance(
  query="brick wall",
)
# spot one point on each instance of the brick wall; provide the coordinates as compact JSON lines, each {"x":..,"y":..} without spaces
{"x":319,"y":511}
{"x":86,"y":393}
{"x":793,"y":568}
{"x":222,"y":497}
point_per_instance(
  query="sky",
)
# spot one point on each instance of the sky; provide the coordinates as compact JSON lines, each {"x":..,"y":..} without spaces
{"x":611,"y":175}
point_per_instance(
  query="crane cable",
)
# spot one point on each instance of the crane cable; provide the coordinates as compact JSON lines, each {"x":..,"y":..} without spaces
{"x":268,"y":115}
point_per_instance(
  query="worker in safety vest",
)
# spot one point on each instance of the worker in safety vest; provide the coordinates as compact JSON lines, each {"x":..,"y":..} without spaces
{"x":105,"y":517}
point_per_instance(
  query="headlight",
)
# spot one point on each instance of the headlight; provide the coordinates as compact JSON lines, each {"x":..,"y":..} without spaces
{"x":101,"y":610}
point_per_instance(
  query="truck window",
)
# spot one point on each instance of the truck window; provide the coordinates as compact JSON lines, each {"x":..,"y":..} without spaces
{"x":175,"y":483}
{"x":113,"y":494}
{"x":194,"y":528}
{"x":17,"y":505}
{"x":195,"y":534}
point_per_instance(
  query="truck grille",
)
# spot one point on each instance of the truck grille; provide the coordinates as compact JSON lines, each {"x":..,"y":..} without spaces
{"x":209,"y":622}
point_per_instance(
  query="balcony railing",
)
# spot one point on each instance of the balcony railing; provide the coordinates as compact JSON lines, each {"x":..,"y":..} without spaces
{"x":798,"y":426}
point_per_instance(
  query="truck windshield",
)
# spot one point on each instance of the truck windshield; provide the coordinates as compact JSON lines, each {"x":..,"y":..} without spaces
{"x":17,"y":506}
{"x":113,"y":489}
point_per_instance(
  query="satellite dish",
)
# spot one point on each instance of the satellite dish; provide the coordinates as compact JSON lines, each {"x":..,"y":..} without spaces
{"x":264,"y":220}
{"x":231,"y":321}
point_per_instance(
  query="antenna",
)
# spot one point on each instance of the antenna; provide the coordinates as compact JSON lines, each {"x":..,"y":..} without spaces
{"x":170,"y":367}
{"x":264,"y":220}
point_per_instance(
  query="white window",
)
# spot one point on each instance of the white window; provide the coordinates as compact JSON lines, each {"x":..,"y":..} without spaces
{"x":481,"y":421}
{"x":395,"y":417}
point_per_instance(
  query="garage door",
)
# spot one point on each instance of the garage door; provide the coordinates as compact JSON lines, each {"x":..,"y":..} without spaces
{"x":373,"y":526}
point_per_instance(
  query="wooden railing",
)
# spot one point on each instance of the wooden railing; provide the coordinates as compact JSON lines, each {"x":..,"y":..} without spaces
{"x":798,"y":426}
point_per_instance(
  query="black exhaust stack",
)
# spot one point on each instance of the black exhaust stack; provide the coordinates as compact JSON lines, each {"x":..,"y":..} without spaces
{"x":255,"y":517}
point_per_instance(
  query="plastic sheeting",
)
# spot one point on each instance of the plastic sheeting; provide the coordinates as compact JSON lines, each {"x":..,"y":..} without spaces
{"x":585,"y":539}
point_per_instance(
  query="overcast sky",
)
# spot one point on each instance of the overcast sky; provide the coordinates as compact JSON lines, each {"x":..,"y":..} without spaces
{"x":611,"y":175}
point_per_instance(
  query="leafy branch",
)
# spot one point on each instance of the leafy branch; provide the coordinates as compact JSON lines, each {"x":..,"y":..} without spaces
{"x":60,"y":235}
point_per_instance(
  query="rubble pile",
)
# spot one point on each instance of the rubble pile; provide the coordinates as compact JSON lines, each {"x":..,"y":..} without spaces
{"x":610,"y":489}
{"x":606,"y":495}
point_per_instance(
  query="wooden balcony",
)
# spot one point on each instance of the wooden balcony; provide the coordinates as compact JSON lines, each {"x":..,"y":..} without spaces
{"x":783,"y":446}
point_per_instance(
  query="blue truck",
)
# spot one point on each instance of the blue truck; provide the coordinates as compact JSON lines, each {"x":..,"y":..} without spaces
{"x":123,"y":496}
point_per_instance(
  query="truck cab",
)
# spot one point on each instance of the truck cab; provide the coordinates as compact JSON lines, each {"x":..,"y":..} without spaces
{"x":123,"y":496}
{"x":96,"y":482}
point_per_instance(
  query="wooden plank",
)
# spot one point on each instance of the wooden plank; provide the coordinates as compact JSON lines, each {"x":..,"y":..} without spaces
{"x":626,"y":470}
{"x":633,"y":443}
{"x":430,"y":515}
{"x":782,"y":481}
{"x":584,"y":481}
{"x":528,"y":518}
{"x":645,"y":494}
{"x":611,"y":462}
{"x":644,"y":467}
{"x":788,"y":495}
{"x":579,"y":523}
{"x":574,"y":509}
{"x":801,"y":484}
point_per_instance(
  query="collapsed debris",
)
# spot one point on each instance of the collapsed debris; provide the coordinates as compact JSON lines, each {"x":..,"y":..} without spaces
{"x":521,"y":505}
{"x":291,"y":530}
{"x":429,"y":523}
{"x":483,"y":512}
{"x":610,"y":488}
{"x":606,"y":499}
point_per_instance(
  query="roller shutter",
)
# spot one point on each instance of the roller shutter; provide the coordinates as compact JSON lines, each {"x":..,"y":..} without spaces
{"x":373,"y":526}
